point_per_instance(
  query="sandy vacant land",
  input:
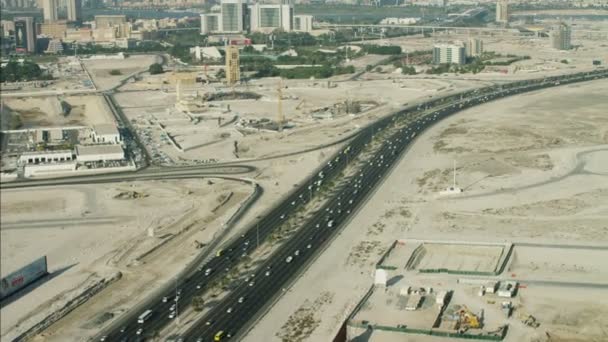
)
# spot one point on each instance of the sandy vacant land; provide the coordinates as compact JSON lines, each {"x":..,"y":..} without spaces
{"x":203,"y":139}
{"x":99,"y":69}
{"x":458,"y":257}
{"x":568,"y":265}
{"x":46,"y":112}
{"x":532,"y":170}
{"x":91,"y":232}
{"x":588,"y":37}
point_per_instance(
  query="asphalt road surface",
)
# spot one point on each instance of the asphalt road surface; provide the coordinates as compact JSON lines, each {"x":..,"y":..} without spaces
{"x":247,"y":299}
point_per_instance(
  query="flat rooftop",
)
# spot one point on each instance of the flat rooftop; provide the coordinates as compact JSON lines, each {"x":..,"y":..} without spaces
{"x":83,"y":150}
{"x":105,"y":129}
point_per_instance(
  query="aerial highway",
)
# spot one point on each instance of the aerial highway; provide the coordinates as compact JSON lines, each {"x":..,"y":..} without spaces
{"x":251,"y":295}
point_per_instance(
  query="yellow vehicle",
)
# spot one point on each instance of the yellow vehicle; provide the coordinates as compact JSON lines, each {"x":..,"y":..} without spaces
{"x":219,"y":335}
{"x":218,"y":253}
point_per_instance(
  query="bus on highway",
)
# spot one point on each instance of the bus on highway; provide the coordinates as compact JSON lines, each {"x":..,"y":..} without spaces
{"x":219,"y":335}
{"x":144,"y":316}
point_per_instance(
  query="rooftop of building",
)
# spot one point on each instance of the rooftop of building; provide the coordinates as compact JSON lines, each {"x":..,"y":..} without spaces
{"x":82,"y":150}
{"x":105,"y":129}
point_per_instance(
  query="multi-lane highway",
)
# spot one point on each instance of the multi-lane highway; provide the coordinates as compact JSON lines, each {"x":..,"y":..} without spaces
{"x":248,"y":297}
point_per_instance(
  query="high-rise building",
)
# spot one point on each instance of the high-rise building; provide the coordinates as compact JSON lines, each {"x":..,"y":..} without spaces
{"x":25,"y":36}
{"x":302,"y":23}
{"x":474,"y":47}
{"x":269,"y":17}
{"x":560,"y":37}
{"x":502,"y":11}
{"x":74,"y":8}
{"x":235,"y":16}
{"x":233,"y":69}
{"x":49,"y":9}
{"x":449,"y":53}
{"x":211,"y":23}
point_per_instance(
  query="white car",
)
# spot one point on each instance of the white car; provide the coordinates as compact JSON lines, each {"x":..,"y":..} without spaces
{"x":229,"y":310}
{"x":330,"y":223}
{"x":309,"y":246}
{"x":267,"y":273}
{"x":297,"y":253}
{"x":172,"y":315}
{"x":208,"y":272}
{"x":289,"y":258}
{"x":242,"y":299}
{"x":165,"y":299}
{"x":139,"y":331}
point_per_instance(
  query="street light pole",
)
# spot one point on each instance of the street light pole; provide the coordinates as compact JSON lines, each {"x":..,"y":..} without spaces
{"x":176,"y":304}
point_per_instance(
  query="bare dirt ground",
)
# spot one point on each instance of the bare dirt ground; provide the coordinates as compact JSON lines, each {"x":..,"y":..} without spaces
{"x":458,"y":257}
{"x":588,"y":38}
{"x":90,"y":232}
{"x":46,"y":112}
{"x":532,"y":170}
{"x":154,"y":115}
{"x":578,"y":265}
{"x":99,"y":69}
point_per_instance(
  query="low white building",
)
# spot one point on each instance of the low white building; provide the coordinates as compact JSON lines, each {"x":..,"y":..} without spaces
{"x":95,"y":153}
{"x":399,"y":21}
{"x":106,"y":133}
{"x":507,"y":289}
{"x":45,"y":157}
{"x":32,"y":170}
{"x":205,"y":53}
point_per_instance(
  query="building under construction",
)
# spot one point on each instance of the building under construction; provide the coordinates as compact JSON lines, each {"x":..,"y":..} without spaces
{"x":233,"y":69}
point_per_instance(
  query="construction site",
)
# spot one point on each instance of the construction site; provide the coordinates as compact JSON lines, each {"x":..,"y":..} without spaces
{"x":527,"y":221}
{"x":436,"y":288}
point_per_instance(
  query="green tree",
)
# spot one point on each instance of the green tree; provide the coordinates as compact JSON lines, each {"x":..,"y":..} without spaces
{"x":408,"y":70}
{"x":155,"y":69}
{"x":198,"y":303}
{"x":369,"y":67}
{"x":115,"y":72}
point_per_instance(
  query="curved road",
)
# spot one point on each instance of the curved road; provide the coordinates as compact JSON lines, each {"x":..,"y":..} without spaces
{"x":232,"y":315}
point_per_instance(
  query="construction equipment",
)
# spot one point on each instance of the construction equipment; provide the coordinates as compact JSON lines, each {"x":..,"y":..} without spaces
{"x":467,"y":320}
{"x":531,"y":322}
{"x":527,"y":319}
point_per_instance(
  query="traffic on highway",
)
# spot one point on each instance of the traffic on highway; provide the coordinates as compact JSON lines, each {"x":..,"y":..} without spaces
{"x":254,"y":293}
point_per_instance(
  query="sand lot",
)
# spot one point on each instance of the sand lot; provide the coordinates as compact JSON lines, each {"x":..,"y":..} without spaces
{"x":458,"y":257}
{"x":203,"y":139}
{"x":568,"y":265}
{"x":46,"y":112}
{"x":529,"y":166}
{"x":91,"y":232}
{"x":99,"y":69}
